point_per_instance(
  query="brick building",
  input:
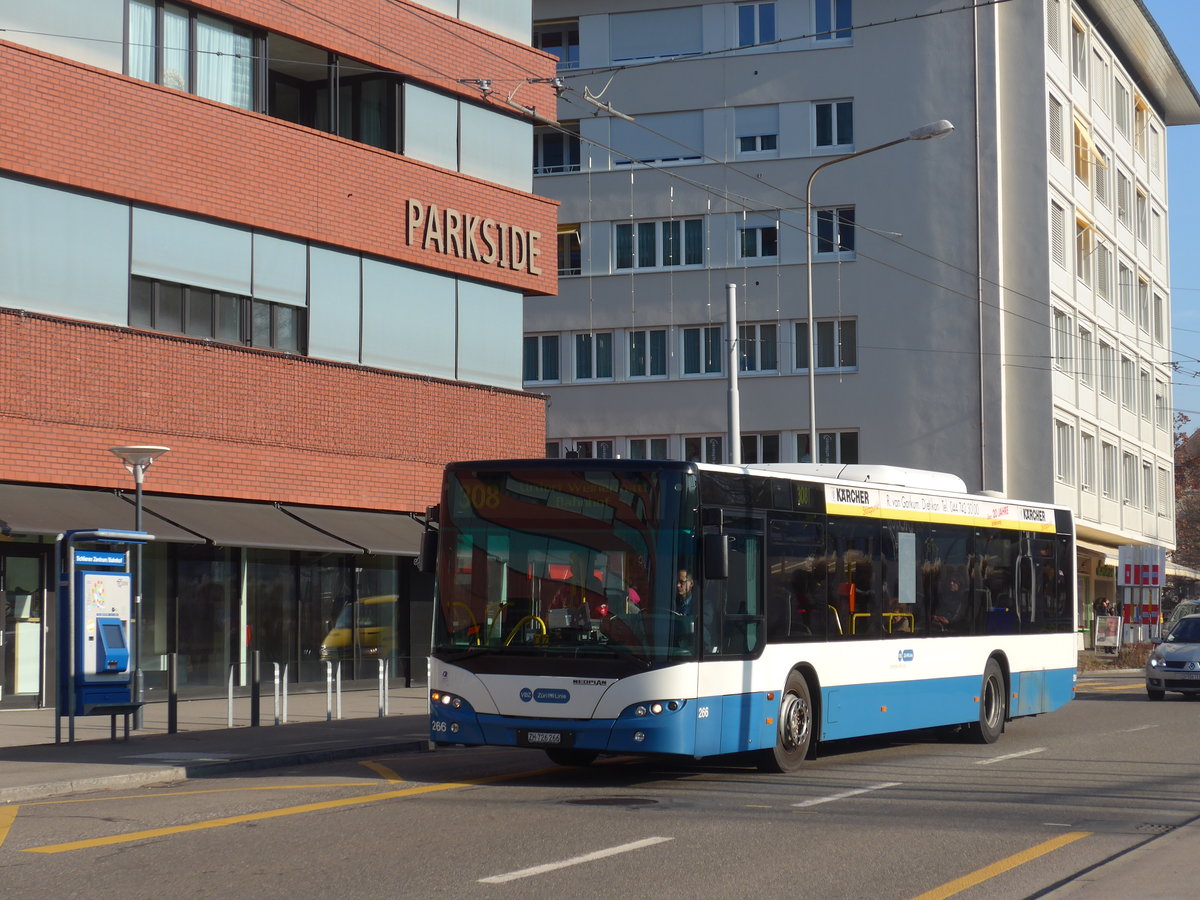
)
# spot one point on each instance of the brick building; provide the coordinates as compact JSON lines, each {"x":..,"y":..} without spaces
{"x":291,"y":245}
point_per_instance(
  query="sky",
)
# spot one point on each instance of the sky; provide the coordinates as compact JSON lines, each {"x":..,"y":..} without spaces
{"x":1180,"y":22}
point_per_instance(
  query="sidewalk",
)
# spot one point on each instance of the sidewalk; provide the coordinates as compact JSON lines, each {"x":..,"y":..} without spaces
{"x":33,"y":766}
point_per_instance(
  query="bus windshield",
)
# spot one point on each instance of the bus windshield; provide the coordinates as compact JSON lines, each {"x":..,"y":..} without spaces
{"x":558,"y":561}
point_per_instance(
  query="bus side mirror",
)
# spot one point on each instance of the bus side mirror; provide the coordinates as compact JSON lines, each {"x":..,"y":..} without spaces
{"x":427,"y":557}
{"x":716,"y":556}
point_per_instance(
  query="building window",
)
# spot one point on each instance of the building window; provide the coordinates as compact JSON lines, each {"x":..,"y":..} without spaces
{"x":592,"y":450}
{"x":1058,"y":234}
{"x":1100,"y":79}
{"x":648,"y":353}
{"x":559,"y":39}
{"x":1108,"y":453}
{"x":833,"y":20}
{"x":553,"y":449}
{"x":1162,"y":412}
{"x":556,"y":149}
{"x":570,"y":250}
{"x":834,"y":123}
{"x":593,"y":356}
{"x":191,"y":51}
{"x":1124,"y":197}
{"x":1087,"y":462}
{"x":1103,"y":264}
{"x":651,"y":245}
{"x":215,"y":315}
{"x":757,"y":129}
{"x":757,"y":143}
{"x":541,"y":358}
{"x":1146,"y":389}
{"x":1054,"y":25}
{"x":1087,"y":349}
{"x":1128,"y":383}
{"x":1125,"y":289}
{"x":1157,"y":241}
{"x":1100,"y":182}
{"x":1143,"y":223}
{"x":1062,"y":340}
{"x":1159,"y":318}
{"x":1108,"y":370}
{"x":1121,"y":106}
{"x":1147,"y":487}
{"x":760,"y":448}
{"x":832,"y":447}
{"x":1155,"y":151}
{"x":758,"y":242}
{"x":709,"y":449}
{"x":834,"y":231}
{"x":1056,"y":127}
{"x":1129,"y":479}
{"x":1083,"y":251}
{"x":1141,"y":125}
{"x":1083,"y":152}
{"x":1064,"y":452}
{"x":648,"y":448}
{"x":756,"y":23}
{"x":837,"y":344}
{"x":758,"y":348}
{"x":1143,"y":298}
{"x":1079,"y":57}
{"x":702,"y":350}
{"x":1164,"y":492}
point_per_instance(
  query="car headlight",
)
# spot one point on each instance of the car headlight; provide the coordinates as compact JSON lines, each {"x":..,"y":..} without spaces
{"x":1156,"y":660}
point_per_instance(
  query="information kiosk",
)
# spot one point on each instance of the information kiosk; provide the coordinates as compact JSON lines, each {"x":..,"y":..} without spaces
{"x":96,"y":612}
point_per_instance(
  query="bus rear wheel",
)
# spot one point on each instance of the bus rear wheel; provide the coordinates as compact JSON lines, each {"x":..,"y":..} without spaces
{"x":794,"y":735}
{"x":572,"y":757}
{"x":992,"y":707}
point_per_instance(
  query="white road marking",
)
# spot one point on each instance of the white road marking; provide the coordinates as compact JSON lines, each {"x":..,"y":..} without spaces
{"x":1139,"y":728}
{"x":574,"y":861}
{"x":844,"y":794}
{"x":996,"y":759}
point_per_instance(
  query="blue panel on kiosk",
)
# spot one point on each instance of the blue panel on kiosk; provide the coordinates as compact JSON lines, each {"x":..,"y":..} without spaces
{"x":112,"y":650}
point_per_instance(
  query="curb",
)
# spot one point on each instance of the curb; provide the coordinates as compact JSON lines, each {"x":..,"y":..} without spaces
{"x":175,"y":774}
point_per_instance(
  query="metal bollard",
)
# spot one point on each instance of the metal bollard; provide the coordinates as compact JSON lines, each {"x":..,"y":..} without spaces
{"x":328,"y":690}
{"x":339,"y":689}
{"x":276,"y":692}
{"x":285,"y":684}
{"x":255,"y":686}
{"x":230,"y":705}
{"x":172,"y":693}
{"x":387,"y":678}
{"x":382,"y":684}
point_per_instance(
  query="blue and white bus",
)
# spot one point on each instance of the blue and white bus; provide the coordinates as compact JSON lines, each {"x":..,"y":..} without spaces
{"x":590,"y":607}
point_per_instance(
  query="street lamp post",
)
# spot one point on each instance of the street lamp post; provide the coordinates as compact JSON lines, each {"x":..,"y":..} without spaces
{"x":137,"y":460}
{"x":924,"y":133}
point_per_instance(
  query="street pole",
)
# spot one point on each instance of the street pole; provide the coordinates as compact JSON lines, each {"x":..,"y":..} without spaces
{"x":735,"y":412}
{"x":924,"y":133}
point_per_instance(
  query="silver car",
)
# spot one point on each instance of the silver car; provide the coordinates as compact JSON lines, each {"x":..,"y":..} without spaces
{"x":1174,"y":663}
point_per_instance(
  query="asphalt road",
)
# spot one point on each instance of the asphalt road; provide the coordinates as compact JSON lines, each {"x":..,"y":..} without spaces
{"x":916,"y":816}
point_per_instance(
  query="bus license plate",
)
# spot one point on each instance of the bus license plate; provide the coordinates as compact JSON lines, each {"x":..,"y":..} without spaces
{"x":529,"y":738}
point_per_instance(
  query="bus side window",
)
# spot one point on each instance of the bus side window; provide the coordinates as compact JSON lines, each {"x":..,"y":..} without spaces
{"x":733,"y":620}
{"x":797,"y":603}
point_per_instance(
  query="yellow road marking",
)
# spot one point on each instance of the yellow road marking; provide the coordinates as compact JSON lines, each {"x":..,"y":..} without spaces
{"x":1114,"y":687}
{"x":382,"y":771}
{"x":275,"y":813}
{"x":950,"y":888}
{"x":230,"y":790}
{"x":7,"y":815}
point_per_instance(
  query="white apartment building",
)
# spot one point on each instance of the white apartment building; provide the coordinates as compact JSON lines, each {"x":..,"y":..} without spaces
{"x":993,"y":303}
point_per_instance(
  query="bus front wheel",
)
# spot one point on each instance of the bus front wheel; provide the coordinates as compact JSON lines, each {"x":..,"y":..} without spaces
{"x":794,"y":735}
{"x":992,"y":707}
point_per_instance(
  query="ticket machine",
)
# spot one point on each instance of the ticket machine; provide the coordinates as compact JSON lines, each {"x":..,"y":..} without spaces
{"x":96,"y":604}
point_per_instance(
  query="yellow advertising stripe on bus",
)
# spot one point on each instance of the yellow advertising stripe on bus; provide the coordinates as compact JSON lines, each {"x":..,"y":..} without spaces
{"x":7,"y":815}
{"x":133,"y":836}
{"x":958,"y":885}
{"x":916,"y":515}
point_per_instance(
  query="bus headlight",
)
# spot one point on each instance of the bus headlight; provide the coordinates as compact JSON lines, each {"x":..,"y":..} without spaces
{"x":656,"y":707}
{"x":445,"y":699}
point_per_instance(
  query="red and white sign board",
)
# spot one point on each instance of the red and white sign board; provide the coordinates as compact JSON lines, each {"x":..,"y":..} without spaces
{"x":1141,"y":566}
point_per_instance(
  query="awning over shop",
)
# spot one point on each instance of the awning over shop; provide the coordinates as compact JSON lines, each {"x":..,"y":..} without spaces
{"x":384,"y":533}
{"x":34,"y":510}
{"x":1108,"y":554}
{"x":229,"y":523}
{"x":30,"y":509}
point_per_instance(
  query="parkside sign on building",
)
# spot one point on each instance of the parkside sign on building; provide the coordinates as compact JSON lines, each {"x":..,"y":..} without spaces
{"x":473,"y":238}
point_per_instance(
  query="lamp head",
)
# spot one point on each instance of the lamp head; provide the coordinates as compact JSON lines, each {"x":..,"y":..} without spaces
{"x":138,"y":457}
{"x":932,"y":130}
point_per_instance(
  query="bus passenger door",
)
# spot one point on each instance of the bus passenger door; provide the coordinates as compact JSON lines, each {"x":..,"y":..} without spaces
{"x":732,"y":632}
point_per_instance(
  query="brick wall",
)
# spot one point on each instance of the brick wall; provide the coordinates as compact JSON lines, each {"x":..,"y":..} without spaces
{"x":241,"y":423}
{"x":68,"y":123}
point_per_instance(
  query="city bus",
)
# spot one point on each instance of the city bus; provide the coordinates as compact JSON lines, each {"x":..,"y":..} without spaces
{"x":588,"y":607}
